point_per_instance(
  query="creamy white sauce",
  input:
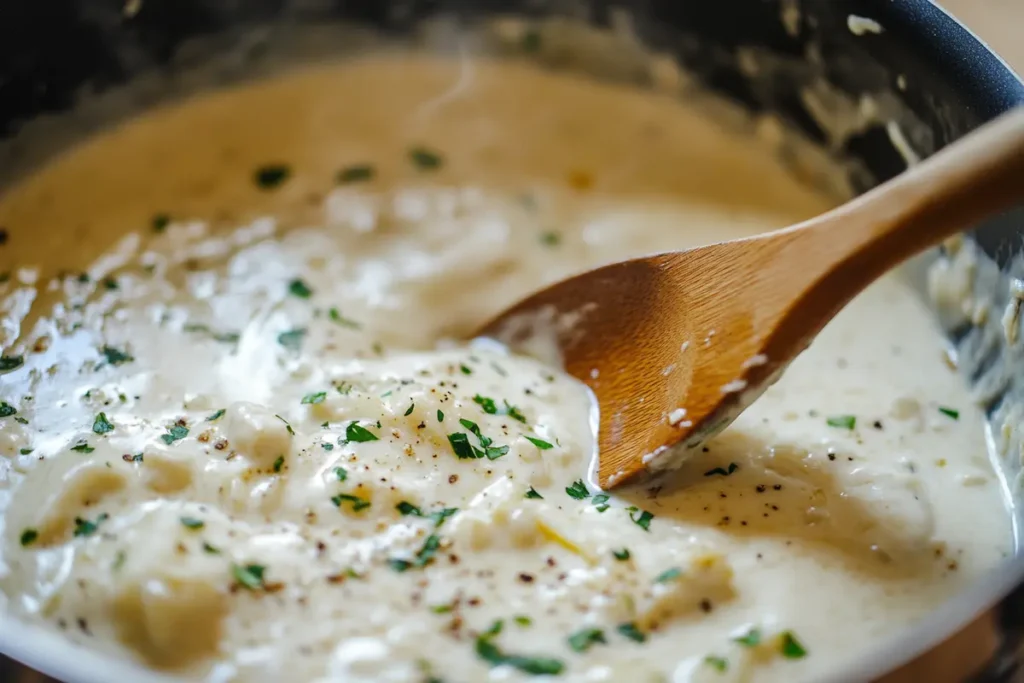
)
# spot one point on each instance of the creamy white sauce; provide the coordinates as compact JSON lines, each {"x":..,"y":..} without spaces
{"x":232,"y":350}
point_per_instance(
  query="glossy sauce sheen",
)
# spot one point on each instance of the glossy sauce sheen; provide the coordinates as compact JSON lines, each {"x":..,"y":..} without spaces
{"x":233,"y":452}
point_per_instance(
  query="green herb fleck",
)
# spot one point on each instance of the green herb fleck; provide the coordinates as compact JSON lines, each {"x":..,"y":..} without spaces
{"x":25,"y":451}
{"x":216,"y":416}
{"x":292,"y":339}
{"x":192,"y":523}
{"x":278,"y":464}
{"x":408,"y":411}
{"x":631,"y":631}
{"x":752,"y":638}
{"x":425,"y":159}
{"x":535,"y":666}
{"x":8,"y":363}
{"x":299,"y":288}
{"x":584,"y":639}
{"x":522,"y":620}
{"x":6,"y":409}
{"x":717,"y":663}
{"x":327,"y":446}
{"x":621,"y":555}
{"x":423,"y":557}
{"x":287,"y":426}
{"x":578,"y":490}
{"x":441,"y":609}
{"x":790,"y":647}
{"x":357,"y":434}
{"x":441,"y":515}
{"x":101,"y":425}
{"x":440,"y":416}
{"x":357,"y":502}
{"x":84,"y":527}
{"x":83,"y":447}
{"x":249,"y":576}
{"x":341,"y":473}
{"x":212,"y":550}
{"x":116,"y":356}
{"x":312,"y":399}
{"x":160,"y":222}
{"x":722,"y":471}
{"x":486,"y":404}
{"x":336,"y":317}
{"x":644,"y":520}
{"x":514,"y":412}
{"x":539,"y":443}
{"x":461,"y":446}
{"x":465,"y":369}
{"x":356,"y":173}
{"x":174,"y":433}
{"x":950,"y":412}
{"x":110,"y":283}
{"x":28,"y":537}
{"x":600,"y":501}
{"x":407,"y":508}
{"x":550,"y":238}
{"x":271,"y":176}
{"x":669,"y":575}
{"x":842,"y":421}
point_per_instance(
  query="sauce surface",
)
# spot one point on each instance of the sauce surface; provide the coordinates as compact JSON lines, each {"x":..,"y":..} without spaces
{"x":239,"y":442}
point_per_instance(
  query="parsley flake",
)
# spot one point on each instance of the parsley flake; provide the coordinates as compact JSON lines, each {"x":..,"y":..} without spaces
{"x":28,"y":537}
{"x":790,"y":647}
{"x":299,"y":288}
{"x":407,"y":508}
{"x":440,"y":416}
{"x":8,"y":363}
{"x":116,"y":356}
{"x":550,"y":238}
{"x":751,"y":638}
{"x":425,"y":159}
{"x":216,"y":416}
{"x":249,"y":576}
{"x":174,"y":433}
{"x":101,"y":425}
{"x":532,"y":493}
{"x":621,"y":555}
{"x":486,"y":404}
{"x":461,"y":446}
{"x":341,"y":473}
{"x":6,"y":409}
{"x":160,"y":222}
{"x":631,"y":631}
{"x":278,"y":464}
{"x":950,"y":412}
{"x":495,"y":656}
{"x":357,"y":434}
{"x":722,"y":471}
{"x":192,"y":523}
{"x":584,"y":639}
{"x":578,"y":490}
{"x":84,"y":527}
{"x":842,"y":421}
{"x":539,"y":443}
{"x":465,"y":369}
{"x":717,"y":663}
{"x":313,"y":399}
{"x":644,"y":520}
{"x":600,"y":501}
{"x":408,"y":411}
{"x":424,"y":556}
{"x":292,"y":339}
{"x":523,"y":620}
{"x":669,"y":575}
{"x":357,"y":502}
{"x":336,"y":317}
{"x":82,"y":447}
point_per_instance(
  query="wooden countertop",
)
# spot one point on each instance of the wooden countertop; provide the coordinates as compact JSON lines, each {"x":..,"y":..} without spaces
{"x":997,"y":22}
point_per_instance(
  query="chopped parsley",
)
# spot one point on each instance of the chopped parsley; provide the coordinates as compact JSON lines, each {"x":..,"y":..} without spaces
{"x":752,"y":638}
{"x":423,"y":557}
{"x":464,"y":450}
{"x":461,"y":446}
{"x":287,"y":426}
{"x":357,"y":502}
{"x":532,"y":493}
{"x":425,"y":159}
{"x":465,"y":369}
{"x":25,"y":451}
{"x":271,"y":176}
{"x":669,"y":575}
{"x":950,"y":412}
{"x":160,"y":222}
{"x":584,"y":639}
{"x":722,"y":471}
{"x":408,"y":411}
{"x":717,"y":663}
{"x":790,"y":647}
{"x":631,"y":631}
{"x":249,"y":576}
{"x":407,"y":508}
{"x":82,"y":447}
{"x":441,"y":515}
{"x":578,"y":490}
{"x":600,"y":501}
{"x":514,"y":412}
{"x":357,"y":434}
{"x":440,"y":416}
{"x":341,"y":473}
{"x":841,"y":421}
{"x":8,"y":363}
{"x":101,"y":425}
{"x":209,"y":549}
{"x":299,"y":288}
{"x":356,"y":173}
{"x":441,"y":609}
{"x":174,"y":433}
{"x":336,"y":317}
{"x":28,"y":537}
{"x":539,"y":443}
{"x":278,"y":464}
{"x":486,"y":404}
{"x":621,"y":555}
{"x":522,"y":620}
{"x":292,"y":339}
{"x":495,"y":656}
{"x":116,"y":356}
{"x":490,"y":406}
{"x":84,"y":527}
{"x":192,"y":523}
{"x":6,"y":409}
{"x":313,"y":399}
{"x":644,"y":520}
{"x":216,"y":416}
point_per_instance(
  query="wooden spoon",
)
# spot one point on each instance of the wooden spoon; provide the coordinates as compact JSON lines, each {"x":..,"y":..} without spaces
{"x":675,"y":345}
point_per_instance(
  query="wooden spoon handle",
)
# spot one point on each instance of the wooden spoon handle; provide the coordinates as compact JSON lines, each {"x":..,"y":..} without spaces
{"x":968,"y":181}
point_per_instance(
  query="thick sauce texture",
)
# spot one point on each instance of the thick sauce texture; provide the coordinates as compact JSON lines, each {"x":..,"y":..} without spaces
{"x":240,"y":441}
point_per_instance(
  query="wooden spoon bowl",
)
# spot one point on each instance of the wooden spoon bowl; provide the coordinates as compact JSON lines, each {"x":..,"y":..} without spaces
{"x":676,"y":345}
